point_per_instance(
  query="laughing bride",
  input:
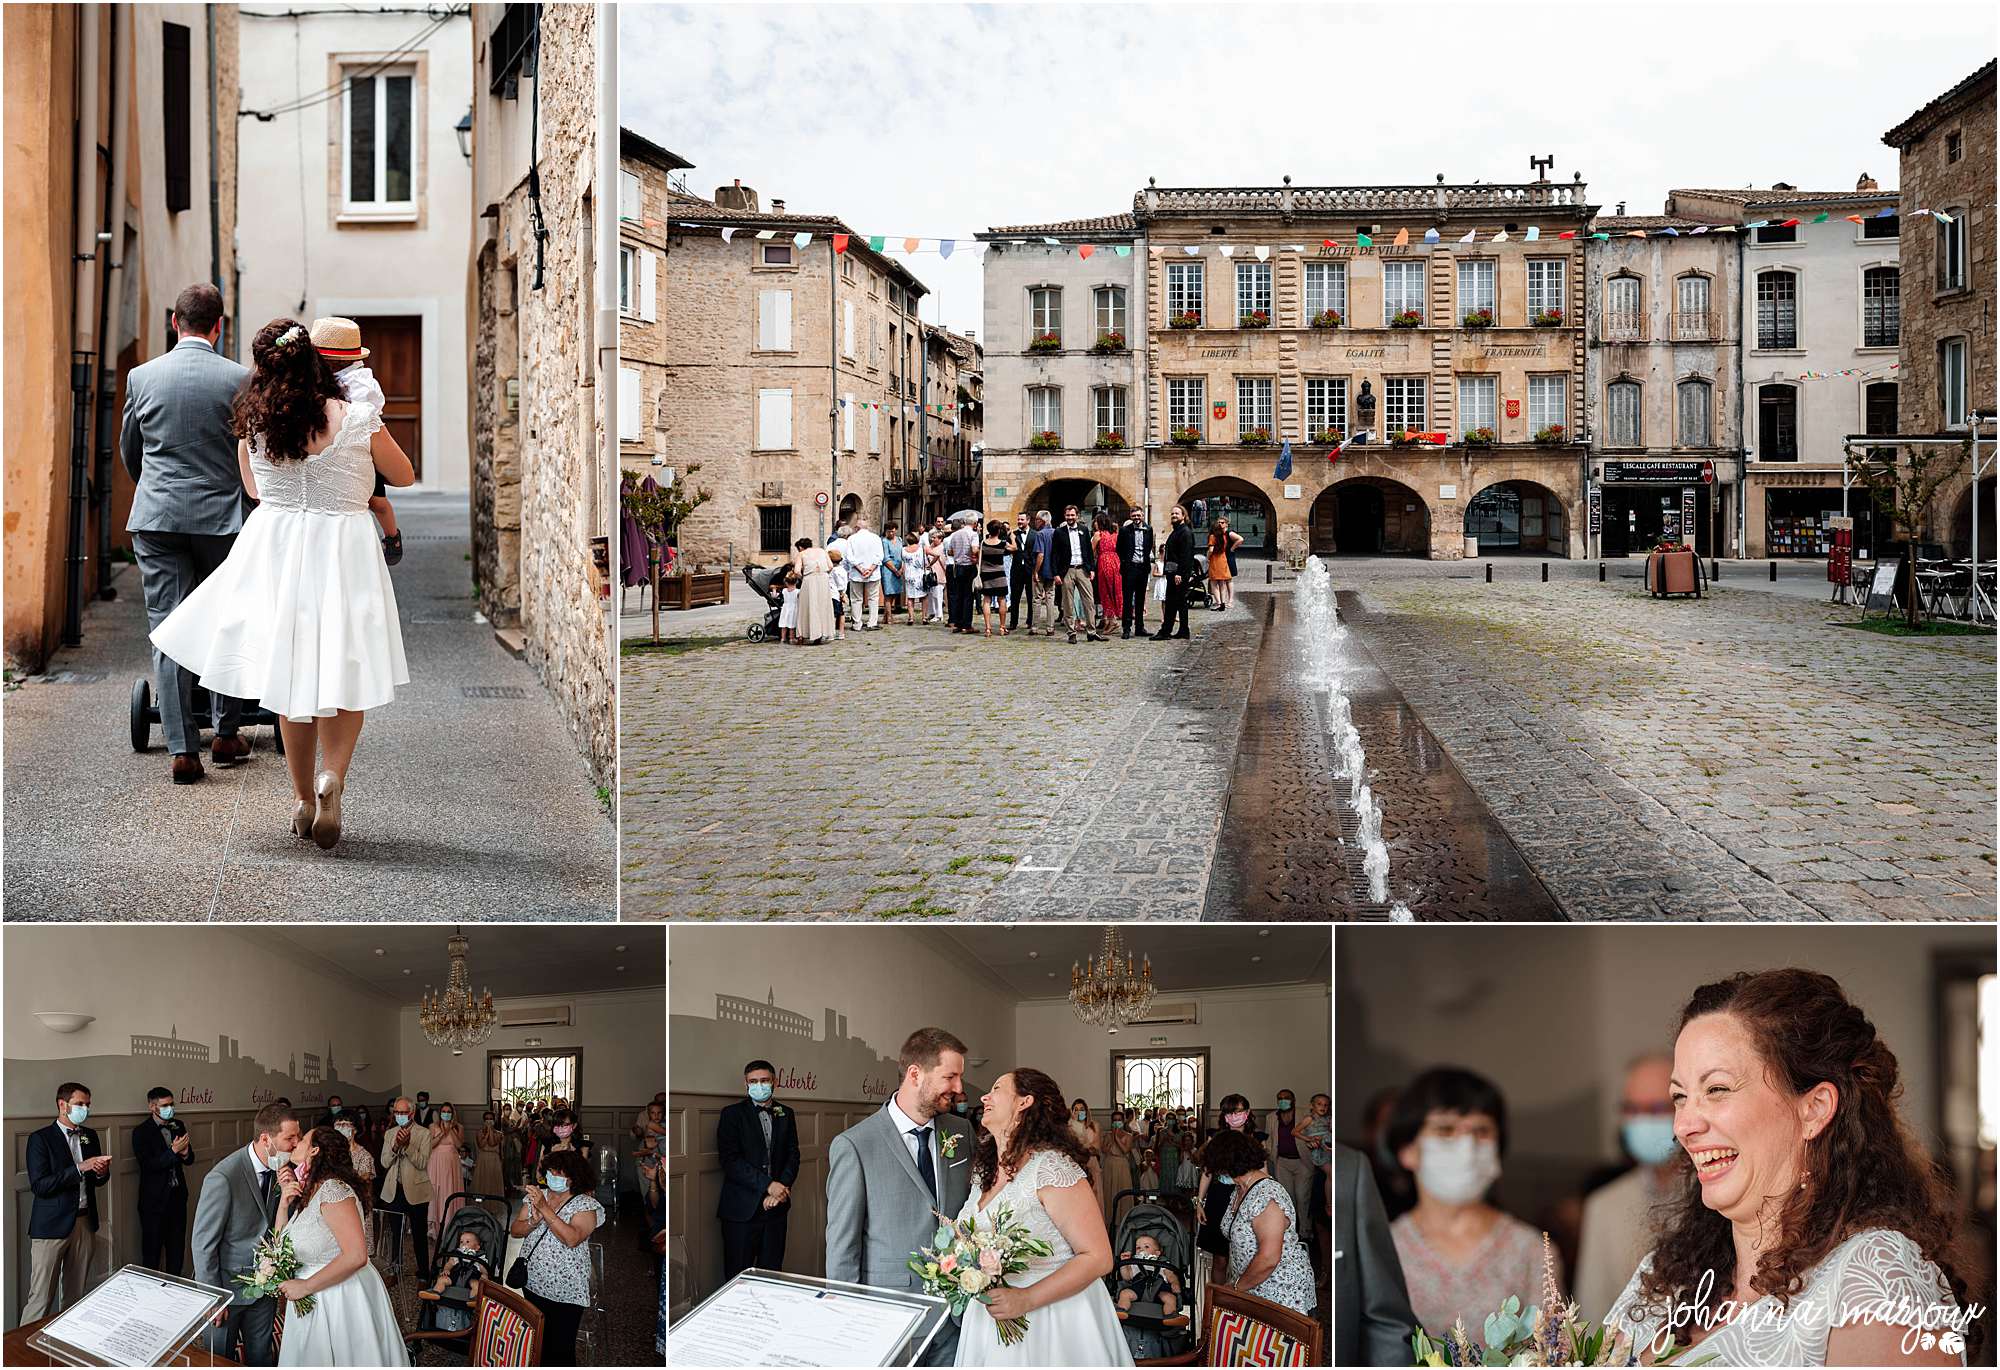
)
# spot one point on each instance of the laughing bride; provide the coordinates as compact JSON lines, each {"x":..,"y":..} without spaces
{"x":1810,"y":1228}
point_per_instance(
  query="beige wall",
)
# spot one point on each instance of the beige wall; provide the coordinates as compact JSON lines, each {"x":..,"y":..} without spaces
{"x":622,"y":1037}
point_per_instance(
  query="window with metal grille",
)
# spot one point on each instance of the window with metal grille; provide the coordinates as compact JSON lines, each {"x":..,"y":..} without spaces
{"x":1777,"y":423}
{"x":1183,"y":289}
{"x":1881,"y":306}
{"x":1045,"y":310}
{"x":1110,"y":309}
{"x":176,"y":115}
{"x":1697,"y":410}
{"x":1402,"y":289}
{"x":1326,"y":405}
{"x":1951,"y":252}
{"x":1187,"y":398}
{"x":774,"y":528}
{"x":1403,"y":404}
{"x":1107,"y":404}
{"x":1882,"y":226}
{"x":1253,"y":404}
{"x":1621,"y":410}
{"x":1475,"y":285}
{"x":1951,"y":380}
{"x":1778,"y":309}
{"x":1545,"y":284}
{"x":1253,"y":288}
{"x":1044,"y":410}
{"x":1478,"y":403}
{"x":1547,"y":405}
{"x":1325,"y":288}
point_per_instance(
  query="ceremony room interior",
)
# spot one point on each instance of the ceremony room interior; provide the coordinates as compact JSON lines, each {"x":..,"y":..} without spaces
{"x":192,"y":1033}
{"x":1563,"y":1045}
{"x":1235,"y":1018}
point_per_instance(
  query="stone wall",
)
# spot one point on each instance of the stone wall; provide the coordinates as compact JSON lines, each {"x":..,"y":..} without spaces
{"x":642,"y":341}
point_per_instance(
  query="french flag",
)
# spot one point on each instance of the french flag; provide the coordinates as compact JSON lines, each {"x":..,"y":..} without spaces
{"x":1365,"y":436}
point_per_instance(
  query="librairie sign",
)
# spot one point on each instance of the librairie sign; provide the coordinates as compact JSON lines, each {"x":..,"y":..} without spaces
{"x":1663,"y":472}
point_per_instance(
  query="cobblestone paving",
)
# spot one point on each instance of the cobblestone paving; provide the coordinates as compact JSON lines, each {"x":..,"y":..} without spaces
{"x":911,"y":773}
{"x":1738,"y":757}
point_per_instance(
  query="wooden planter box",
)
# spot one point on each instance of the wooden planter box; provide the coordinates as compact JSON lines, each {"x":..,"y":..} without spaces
{"x":1673,"y":573}
{"x":690,"y":591}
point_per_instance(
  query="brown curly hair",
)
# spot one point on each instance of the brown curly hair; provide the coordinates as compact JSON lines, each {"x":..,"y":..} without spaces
{"x":1044,"y":1127}
{"x":335,"y":1161}
{"x":1866,"y":1168}
{"x":283,"y":404}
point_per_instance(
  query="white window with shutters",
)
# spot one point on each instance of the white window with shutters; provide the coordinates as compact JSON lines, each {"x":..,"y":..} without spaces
{"x":1254,"y":409}
{"x":774,"y":321}
{"x":1325,"y":288}
{"x":1326,"y":405}
{"x":1622,"y":414}
{"x":774,"y":420}
{"x":628,"y":281}
{"x":1547,"y":403}
{"x":847,"y":328}
{"x":1403,"y":405}
{"x":1402,"y":289}
{"x":847,"y":412}
{"x":1478,"y":403}
{"x":1545,"y":284}
{"x":630,"y":427}
{"x":1476,"y":285}
{"x":649,"y":285}
{"x":1187,"y":397}
{"x":1696,"y":413}
{"x":1183,"y":290}
{"x":1951,"y":381}
{"x":628,"y":197}
{"x":1253,"y":289}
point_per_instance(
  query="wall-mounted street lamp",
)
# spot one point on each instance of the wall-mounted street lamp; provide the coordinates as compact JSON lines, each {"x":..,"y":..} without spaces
{"x":463,"y":128}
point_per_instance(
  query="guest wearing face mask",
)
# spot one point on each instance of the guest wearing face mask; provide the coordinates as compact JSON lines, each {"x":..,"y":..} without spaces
{"x":757,"y":1140}
{"x":488,"y":1177}
{"x":359,"y":1151}
{"x":66,"y":1168}
{"x":406,"y":1182}
{"x":557,"y":1225}
{"x":163,"y":1149}
{"x":1084,"y":1128}
{"x":1115,"y":1158}
{"x":1214,"y":1191}
{"x":1316,"y":1137}
{"x":335,"y":1111}
{"x":447,"y":1176}
{"x":1461,"y":1256}
{"x":1290,"y":1165}
{"x":1616,"y":1228}
{"x":424,"y":1118}
{"x":562,"y":1136}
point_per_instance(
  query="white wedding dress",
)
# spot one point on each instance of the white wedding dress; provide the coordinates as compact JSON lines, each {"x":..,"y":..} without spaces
{"x":1874,"y":1269}
{"x":353,"y":1322}
{"x":1079,"y":1330}
{"x":301,"y":615}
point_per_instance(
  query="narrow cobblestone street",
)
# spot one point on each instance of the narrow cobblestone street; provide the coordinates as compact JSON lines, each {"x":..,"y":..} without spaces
{"x":1744,"y":756}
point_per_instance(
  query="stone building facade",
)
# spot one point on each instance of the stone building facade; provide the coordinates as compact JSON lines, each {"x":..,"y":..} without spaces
{"x":1066,"y":419}
{"x":542,"y":479}
{"x":1820,"y":293}
{"x":121,"y":120}
{"x":943,"y":475}
{"x":646,"y":189}
{"x":1947,"y":154}
{"x":792,"y":369}
{"x":1475,"y":420}
{"x":1663,"y":315}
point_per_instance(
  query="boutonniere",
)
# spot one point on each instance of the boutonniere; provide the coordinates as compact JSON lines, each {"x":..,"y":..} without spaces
{"x":777,"y":1110}
{"x":948,"y":1144}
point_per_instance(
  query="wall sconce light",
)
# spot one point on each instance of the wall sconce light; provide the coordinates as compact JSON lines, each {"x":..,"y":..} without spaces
{"x":463,"y":128}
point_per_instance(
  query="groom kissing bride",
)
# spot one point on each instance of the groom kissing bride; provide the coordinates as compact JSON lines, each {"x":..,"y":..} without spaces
{"x":895,"y":1176}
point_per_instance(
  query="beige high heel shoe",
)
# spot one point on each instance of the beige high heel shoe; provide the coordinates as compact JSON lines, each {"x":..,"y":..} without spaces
{"x":302,"y":817}
{"x":326,"y":824}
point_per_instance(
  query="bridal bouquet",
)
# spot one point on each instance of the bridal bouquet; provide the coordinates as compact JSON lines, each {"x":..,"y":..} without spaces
{"x":276,"y":1263}
{"x":964,"y":1261}
{"x":1552,"y":1334}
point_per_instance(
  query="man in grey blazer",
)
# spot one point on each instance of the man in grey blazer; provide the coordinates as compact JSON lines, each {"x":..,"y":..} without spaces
{"x":239,"y":1203}
{"x":178,"y":442}
{"x":1372,"y":1320}
{"x":889,"y":1176}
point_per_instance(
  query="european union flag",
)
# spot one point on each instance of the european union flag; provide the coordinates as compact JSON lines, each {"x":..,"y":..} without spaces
{"x":1284,"y":462}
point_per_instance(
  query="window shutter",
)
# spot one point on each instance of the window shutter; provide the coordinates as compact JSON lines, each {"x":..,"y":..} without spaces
{"x":847,"y":327}
{"x":649,"y":288}
{"x":774,"y":419}
{"x":176,"y":115}
{"x":847,"y":424}
{"x":629,"y":428}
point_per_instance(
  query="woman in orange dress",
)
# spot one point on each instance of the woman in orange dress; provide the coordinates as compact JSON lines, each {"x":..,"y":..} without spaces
{"x":1110,"y":581}
{"x":1221,"y":542}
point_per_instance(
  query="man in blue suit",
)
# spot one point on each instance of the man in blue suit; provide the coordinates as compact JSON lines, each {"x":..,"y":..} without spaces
{"x":758,"y":1141}
{"x":66,"y":1167}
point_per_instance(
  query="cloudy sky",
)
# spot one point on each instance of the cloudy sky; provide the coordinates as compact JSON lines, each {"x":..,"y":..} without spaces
{"x":939,"y":120}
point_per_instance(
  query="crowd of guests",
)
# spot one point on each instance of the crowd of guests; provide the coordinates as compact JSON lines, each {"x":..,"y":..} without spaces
{"x":1070,"y":576}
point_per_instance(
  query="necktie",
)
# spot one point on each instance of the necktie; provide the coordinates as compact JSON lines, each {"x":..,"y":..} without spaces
{"x":264,"y":1189}
{"x":924,"y":1167}
{"x":764,"y":1121}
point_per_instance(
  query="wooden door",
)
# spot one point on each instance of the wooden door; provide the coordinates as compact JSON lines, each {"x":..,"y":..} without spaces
{"x":395,"y":344}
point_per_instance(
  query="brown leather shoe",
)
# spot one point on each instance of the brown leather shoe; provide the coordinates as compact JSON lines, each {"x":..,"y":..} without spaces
{"x":187,"y":770}
{"x":227,"y":751}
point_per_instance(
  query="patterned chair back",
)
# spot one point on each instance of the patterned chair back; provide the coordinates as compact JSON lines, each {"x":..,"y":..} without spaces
{"x":1242,"y":1329}
{"x":508,"y":1330}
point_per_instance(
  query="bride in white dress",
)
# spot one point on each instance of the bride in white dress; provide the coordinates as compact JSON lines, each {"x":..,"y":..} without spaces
{"x":301,"y":616}
{"x":1029,"y":1162}
{"x":352,"y":1321}
{"x":1800,"y":1177}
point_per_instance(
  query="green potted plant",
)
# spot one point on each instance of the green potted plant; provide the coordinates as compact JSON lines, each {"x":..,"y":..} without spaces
{"x":1046,"y":342}
{"x":1478,"y":318}
{"x":1409,"y":318}
{"x":1479,"y":437}
{"x":1110,"y":441}
{"x":1108,"y":341}
{"x":1255,"y":318}
{"x":1045,"y":440}
{"x":1406,"y":437}
{"x":1327,"y":318}
{"x":1548,"y":318}
{"x":1254,"y":437}
{"x":1187,"y":318}
{"x":1673,"y":569}
{"x":1185,"y":436}
{"x":1552,"y":433}
{"x":1329,"y":437}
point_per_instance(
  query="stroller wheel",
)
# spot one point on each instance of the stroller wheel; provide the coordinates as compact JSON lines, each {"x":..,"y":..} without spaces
{"x":755,"y":632}
{"x":142,"y":706}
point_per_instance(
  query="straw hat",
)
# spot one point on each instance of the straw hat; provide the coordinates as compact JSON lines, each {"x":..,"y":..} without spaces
{"x":338,"y":340}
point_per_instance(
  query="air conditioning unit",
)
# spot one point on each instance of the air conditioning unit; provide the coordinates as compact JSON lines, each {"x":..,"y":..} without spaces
{"x":1162,"y":1012}
{"x":540,"y":1015}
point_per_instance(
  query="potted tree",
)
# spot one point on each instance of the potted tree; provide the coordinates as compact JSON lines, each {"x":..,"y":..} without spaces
{"x":1046,"y":342}
{"x":1186,"y":318}
{"x":659,"y":513}
{"x":1046,"y":440}
{"x":1409,"y":318}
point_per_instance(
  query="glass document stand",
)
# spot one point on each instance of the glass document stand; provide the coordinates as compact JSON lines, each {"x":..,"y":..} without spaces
{"x":136,"y":1317}
{"x":766,"y":1317}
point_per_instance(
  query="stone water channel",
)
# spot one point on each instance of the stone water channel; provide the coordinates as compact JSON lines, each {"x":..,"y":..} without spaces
{"x":1342,"y":804}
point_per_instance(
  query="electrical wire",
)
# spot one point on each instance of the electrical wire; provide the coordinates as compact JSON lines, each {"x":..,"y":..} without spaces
{"x":338,"y":88}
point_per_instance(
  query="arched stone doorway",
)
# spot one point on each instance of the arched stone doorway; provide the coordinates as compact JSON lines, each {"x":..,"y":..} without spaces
{"x":850,"y":505}
{"x":1518,"y":517}
{"x":1246,"y":507}
{"x":1961,"y":522}
{"x":1088,"y":496}
{"x":1370,"y":516}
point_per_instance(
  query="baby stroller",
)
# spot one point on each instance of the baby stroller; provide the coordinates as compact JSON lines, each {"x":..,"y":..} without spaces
{"x":765,"y":581}
{"x":1150,"y":1331}
{"x":1198,"y":591}
{"x":145,"y":712}
{"x":486,"y":1216}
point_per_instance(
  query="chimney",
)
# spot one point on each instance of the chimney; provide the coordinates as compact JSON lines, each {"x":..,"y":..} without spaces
{"x":1866,"y":182}
{"x":777,"y":206}
{"x":736,"y":196}
{"x":972,"y":335}
{"x":1783,"y":185}
{"x":1621,"y":209}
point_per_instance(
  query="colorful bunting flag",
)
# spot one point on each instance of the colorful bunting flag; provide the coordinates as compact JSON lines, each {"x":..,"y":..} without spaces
{"x":1789,"y":223}
{"x":799,"y":240}
{"x":1501,"y":236}
{"x":1326,"y":242}
{"x":1430,"y":235}
{"x":839,"y":243}
{"x":1051,"y":242}
{"x":1854,"y":218}
{"x":1570,"y":234}
{"x":765,"y":235}
{"x":875,"y":241}
{"x":1822,"y":216}
{"x":1123,"y":249}
{"x":910,"y":245}
{"x":1534,"y":234}
{"x":1402,"y":238}
{"x":1263,"y":253}
{"x":1192,"y":251}
{"x":1890,"y":213}
{"x":945,"y":245}
{"x":727,"y":234}
{"x":1362,"y":239}
{"x":1471,"y":236}
{"x":1084,"y":250}
{"x":1226,"y":250}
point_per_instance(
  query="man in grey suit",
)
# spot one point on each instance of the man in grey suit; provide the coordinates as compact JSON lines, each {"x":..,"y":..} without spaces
{"x":1372,"y":1320}
{"x":239,"y":1203}
{"x":180,"y":446}
{"x":889,"y":1176}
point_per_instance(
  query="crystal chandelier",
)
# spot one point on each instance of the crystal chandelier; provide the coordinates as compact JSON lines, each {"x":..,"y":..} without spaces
{"x":456,"y":1017}
{"x":1105,"y":991}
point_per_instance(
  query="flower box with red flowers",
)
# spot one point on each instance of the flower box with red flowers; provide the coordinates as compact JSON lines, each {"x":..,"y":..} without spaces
{"x":1554,"y":432}
{"x":1045,"y":440}
{"x":1549,"y":318}
{"x":1329,"y":437}
{"x":1255,"y":318}
{"x":1187,"y":318}
{"x":1408,"y":437}
{"x":1478,"y":318}
{"x":1479,"y":437}
{"x":1046,"y":342}
{"x":1110,"y":442}
{"x":1254,"y":437}
{"x":1409,"y":318}
{"x":1185,"y":437}
{"x":1109,"y":341}
{"x":1327,"y":318}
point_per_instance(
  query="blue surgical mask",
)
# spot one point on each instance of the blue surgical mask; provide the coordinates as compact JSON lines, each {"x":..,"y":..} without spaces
{"x":446,"y":1117}
{"x":402,"y":1120}
{"x":166,"y":1112}
{"x":558,"y":1184}
{"x":760,"y":1093}
{"x":1650,"y":1140}
{"x":334,"y":1109}
{"x":958,"y":1107}
{"x":77,"y":1113}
